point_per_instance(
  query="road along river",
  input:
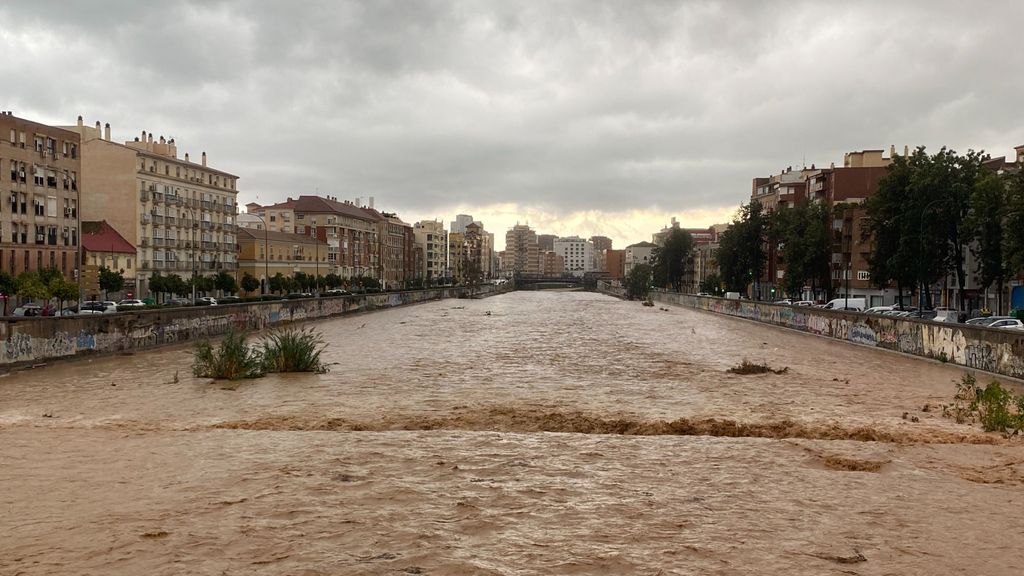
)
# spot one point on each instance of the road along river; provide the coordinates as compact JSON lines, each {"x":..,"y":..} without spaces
{"x":528,"y":433}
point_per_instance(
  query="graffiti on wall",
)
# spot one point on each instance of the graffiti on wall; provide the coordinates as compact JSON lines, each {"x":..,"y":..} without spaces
{"x":46,"y":338}
{"x":967,"y":346}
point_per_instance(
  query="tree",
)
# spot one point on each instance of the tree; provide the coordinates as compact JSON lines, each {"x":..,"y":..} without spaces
{"x":741,"y":252}
{"x":1013,"y":230}
{"x":985,"y":223}
{"x":638,"y":282}
{"x":249,"y":283}
{"x":110,"y":280}
{"x":712,"y":284}
{"x":802,"y":232}
{"x":30,"y":285}
{"x":7,"y":288}
{"x":202,"y":284}
{"x":158,"y":284}
{"x":472,"y":275}
{"x":63,"y":290}
{"x":276,"y":283}
{"x":669,"y":261}
{"x":332,"y":280}
{"x":225,"y":282}
{"x":177,"y":285}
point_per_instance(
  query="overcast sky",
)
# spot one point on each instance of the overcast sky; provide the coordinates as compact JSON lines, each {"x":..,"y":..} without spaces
{"x":583,"y":118}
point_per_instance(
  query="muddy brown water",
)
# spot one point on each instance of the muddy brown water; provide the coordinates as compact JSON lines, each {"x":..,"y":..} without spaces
{"x":529,"y":433}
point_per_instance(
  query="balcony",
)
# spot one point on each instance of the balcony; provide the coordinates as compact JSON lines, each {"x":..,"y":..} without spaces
{"x":158,"y":197}
{"x":158,"y":219}
{"x":143,"y":196}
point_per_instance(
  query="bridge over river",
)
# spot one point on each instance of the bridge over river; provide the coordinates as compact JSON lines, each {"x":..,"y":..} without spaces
{"x":527,"y":433}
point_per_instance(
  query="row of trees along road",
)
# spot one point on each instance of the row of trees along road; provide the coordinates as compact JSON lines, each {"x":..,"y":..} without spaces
{"x":931,"y":209}
{"x":42,"y":285}
{"x":928,"y":212}
{"x":669,"y":264}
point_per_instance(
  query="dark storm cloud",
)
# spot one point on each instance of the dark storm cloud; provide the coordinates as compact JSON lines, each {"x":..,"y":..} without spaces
{"x":568,"y":106}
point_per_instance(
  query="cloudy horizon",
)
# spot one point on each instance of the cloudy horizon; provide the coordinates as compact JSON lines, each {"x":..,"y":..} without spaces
{"x":586,"y":118}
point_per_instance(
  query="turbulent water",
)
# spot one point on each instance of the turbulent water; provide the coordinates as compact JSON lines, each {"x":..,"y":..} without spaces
{"x":529,"y":433}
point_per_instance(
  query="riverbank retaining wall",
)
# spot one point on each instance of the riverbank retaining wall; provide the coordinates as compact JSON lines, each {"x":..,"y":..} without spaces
{"x":27,"y":341}
{"x":990,"y":349}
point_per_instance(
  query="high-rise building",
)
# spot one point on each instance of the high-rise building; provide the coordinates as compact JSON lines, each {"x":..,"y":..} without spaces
{"x":522,"y":254}
{"x":40,"y":227}
{"x":432,"y":238}
{"x":546,"y":242}
{"x":460,"y":223}
{"x":577,"y":253}
{"x":179,"y":214}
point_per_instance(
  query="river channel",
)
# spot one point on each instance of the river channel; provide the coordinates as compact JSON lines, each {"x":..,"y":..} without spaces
{"x":527,"y":433}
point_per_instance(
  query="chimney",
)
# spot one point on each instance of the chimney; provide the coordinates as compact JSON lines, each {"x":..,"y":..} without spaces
{"x":906,"y":150}
{"x":149,"y":138}
{"x":204,"y":158}
{"x":99,"y":131}
{"x":892,"y":150}
{"x":162,"y":141}
{"x":79,"y":120}
{"x":371,"y":202}
{"x":832,"y":165}
{"x":186,"y":156}
{"x":106,"y":132}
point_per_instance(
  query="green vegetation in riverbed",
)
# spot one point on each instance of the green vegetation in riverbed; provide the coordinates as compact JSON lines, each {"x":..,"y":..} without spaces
{"x":231,"y":360}
{"x":293,"y":350}
{"x":994,"y":407}
{"x":748,"y":367}
{"x":285,"y":350}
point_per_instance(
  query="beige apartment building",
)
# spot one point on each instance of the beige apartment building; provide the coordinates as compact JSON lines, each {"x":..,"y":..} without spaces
{"x":179,"y":214}
{"x":39,"y":222}
{"x":352,"y":233}
{"x":264,"y":254}
{"x":432,"y":238}
{"x":522,"y":253}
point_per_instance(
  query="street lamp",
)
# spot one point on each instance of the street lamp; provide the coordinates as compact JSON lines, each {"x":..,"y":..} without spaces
{"x":266,"y":255}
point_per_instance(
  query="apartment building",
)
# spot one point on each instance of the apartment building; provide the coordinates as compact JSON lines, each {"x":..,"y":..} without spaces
{"x":577,"y":254}
{"x":522,"y":253}
{"x":398,"y":256}
{"x":552,"y":264}
{"x":432,"y":239}
{"x":179,"y":214}
{"x":352,"y":233}
{"x":264,"y":254}
{"x":615,"y":263}
{"x":39,"y":218}
{"x":465,"y":252}
{"x":639,"y":253}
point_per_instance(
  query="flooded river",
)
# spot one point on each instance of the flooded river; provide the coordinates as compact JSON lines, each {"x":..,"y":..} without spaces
{"x":528,"y":433}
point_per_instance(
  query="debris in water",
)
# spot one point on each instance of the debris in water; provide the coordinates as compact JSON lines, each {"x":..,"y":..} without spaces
{"x":748,"y":367}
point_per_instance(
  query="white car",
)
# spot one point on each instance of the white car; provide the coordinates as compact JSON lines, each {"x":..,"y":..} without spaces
{"x":94,"y":306}
{"x":878,"y":309}
{"x":130,"y":304}
{"x":1008,"y":323}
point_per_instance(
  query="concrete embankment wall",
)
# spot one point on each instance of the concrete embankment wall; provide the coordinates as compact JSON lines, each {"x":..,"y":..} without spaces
{"x":989,"y":349}
{"x":26,"y":341}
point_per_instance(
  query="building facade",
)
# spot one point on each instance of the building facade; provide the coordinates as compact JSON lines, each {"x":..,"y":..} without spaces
{"x":264,"y":254}
{"x":432,"y":239}
{"x":102,"y":246}
{"x":522,"y":254}
{"x":39,"y":227}
{"x":179,"y":214}
{"x":639,"y":253}
{"x":577,"y":253}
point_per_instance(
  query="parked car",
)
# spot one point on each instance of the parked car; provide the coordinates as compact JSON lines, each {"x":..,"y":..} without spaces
{"x":703,"y":294}
{"x":804,"y":303}
{"x":206,"y":301}
{"x":297,"y":295}
{"x":103,"y":307}
{"x":784,"y":301}
{"x":878,"y":309}
{"x":1008,"y":323}
{"x":986,"y":320}
{"x":228,"y":300}
{"x":28,"y":309}
{"x":126,"y":304}
{"x":177,"y":302}
{"x":336,"y":292}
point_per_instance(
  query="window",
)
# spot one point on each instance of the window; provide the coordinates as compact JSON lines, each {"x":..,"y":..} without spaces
{"x":38,"y":175}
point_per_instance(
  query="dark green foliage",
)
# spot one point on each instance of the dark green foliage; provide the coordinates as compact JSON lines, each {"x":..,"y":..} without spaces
{"x":332,"y":280}
{"x":250,"y":283}
{"x":293,"y":350}
{"x":231,"y":360}
{"x":712,"y":284}
{"x":670,"y":261}
{"x":110,"y":280}
{"x":278,"y":283}
{"x":994,"y":407}
{"x":638,"y":282}
{"x":802,"y":232}
{"x":225,"y":282}
{"x":741,"y":252}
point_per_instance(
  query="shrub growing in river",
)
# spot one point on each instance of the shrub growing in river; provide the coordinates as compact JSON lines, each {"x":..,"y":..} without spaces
{"x":293,"y":350}
{"x":994,"y":407}
{"x":231,"y":360}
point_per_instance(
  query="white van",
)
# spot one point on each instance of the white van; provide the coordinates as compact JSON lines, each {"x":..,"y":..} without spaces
{"x":855,"y":304}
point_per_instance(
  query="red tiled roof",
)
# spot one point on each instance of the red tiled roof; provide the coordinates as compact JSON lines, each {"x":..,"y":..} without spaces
{"x":101,"y":237}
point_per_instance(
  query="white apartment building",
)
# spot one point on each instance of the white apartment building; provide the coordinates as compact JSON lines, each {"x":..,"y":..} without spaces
{"x":577,"y":253}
